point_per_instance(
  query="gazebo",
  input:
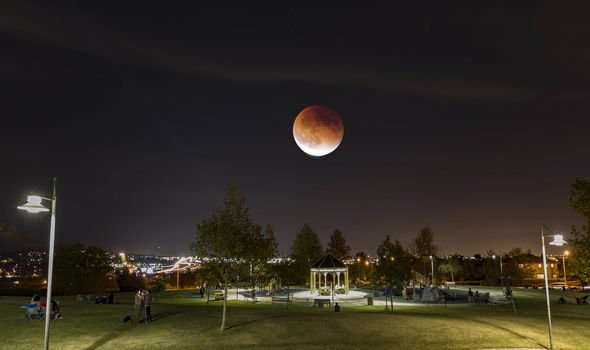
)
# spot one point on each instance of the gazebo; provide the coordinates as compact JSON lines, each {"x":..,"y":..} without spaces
{"x":328,"y":276}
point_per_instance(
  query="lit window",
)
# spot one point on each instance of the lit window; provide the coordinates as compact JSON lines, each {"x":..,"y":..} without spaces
{"x":539,"y":265}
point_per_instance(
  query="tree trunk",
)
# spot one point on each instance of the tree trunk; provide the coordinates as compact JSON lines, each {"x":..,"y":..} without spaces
{"x":224,"y":304}
{"x":391,"y":296}
{"x":452,"y":277}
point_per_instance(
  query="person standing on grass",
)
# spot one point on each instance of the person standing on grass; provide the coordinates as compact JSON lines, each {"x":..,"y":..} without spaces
{"x":470,"y":296}
{"x":138,"y":302}
{"x":148,"y":306}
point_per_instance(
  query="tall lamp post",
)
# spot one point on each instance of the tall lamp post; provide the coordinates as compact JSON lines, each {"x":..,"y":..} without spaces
{"x":501,"y":270}
{"x":431,"y":271}
{"x":34,"y":205}
{"x":557,"y":241}
{"x":566,"y":253}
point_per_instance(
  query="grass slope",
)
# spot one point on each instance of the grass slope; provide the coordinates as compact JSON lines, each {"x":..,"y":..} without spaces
{"x":188,"y":323}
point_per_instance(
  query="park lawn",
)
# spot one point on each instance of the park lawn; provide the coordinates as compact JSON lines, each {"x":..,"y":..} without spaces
{"x":188,"y":323}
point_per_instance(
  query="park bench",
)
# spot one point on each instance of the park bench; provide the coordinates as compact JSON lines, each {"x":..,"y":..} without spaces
{"x":321,"y":302}
{"x":278,"y":299}
{"x":249,"y":297}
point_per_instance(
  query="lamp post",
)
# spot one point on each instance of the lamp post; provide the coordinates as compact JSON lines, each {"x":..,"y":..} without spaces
{"x":566,"y":253}
{"x":431,"y":271}
{"x":34,"y":205}
{"x":501,"y":270}
{"x":557,"y":241}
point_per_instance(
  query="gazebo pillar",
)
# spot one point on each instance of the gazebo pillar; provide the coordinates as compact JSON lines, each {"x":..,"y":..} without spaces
{"x":346,"y":281}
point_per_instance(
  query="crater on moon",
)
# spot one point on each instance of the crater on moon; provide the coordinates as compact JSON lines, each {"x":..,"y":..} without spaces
{"x":318,"y":130}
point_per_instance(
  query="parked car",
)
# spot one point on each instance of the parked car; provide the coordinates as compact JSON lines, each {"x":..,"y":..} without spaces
{"x":558,"y":286}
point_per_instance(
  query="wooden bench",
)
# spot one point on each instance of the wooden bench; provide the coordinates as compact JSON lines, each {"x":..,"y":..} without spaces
{"x":276,"y":299}
{"x":249,"y":297}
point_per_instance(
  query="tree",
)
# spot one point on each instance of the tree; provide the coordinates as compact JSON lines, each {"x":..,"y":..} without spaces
{"x":305,"y":250}
{"x":422,"y":247}
{"x":337,"y":245}
{"x":580,"y":258}
{"x":579,"y":198}
{"x":452,"y":265}
{"x":579,"y":201}
{"x":230,"y":240}
{"x":261,"y":270}
{"x":423,"y":244}
{"x":395,"y":264}
{"x":128,"y":282}
{"x":81,"y":269}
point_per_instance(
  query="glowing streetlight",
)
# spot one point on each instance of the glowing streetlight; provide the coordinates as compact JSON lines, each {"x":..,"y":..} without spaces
{"x":501,"y":271}
{"x":34,"y":205}
{"x":557,"y":241}
{"x":566,"y":253}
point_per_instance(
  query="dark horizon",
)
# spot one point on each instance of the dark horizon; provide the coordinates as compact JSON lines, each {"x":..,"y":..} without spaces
{"x":469,"y":119}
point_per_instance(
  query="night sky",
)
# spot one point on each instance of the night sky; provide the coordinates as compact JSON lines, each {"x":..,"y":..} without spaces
{"x":471,"y":119}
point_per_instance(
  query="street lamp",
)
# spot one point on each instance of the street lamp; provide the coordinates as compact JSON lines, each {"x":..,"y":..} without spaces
{"x":34,"y":205}
{"x":557,"y":241}
{"x":431,"y":271}
{"x":566,"y":253}
{"x":501,"y":271}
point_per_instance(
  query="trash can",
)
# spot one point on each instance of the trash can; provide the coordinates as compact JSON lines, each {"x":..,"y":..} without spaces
{"x":369,"y":300}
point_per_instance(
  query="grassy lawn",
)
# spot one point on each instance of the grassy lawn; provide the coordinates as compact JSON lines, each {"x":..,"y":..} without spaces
{"x":188,"y":323}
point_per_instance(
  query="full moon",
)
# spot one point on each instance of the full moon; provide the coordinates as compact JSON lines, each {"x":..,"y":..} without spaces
{"x":318,"y":130}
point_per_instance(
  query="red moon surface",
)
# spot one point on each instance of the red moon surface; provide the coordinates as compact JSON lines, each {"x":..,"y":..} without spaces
{"x":318,"y":130}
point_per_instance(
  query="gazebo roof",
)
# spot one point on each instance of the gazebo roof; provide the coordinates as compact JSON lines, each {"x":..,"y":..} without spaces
{"x":328,"y":262}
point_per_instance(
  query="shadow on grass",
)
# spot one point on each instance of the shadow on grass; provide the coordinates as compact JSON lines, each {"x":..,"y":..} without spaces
{"x":505,"y":329}
{"x":106,"y":338}
{"x":116,"y":333}
{"x":253,"y":321}
{"x":163,"y":315}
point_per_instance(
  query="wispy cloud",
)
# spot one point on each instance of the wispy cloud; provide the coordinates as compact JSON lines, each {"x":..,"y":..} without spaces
{"x":77,"y":33}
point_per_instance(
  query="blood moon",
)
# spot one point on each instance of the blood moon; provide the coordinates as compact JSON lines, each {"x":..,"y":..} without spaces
{"x":318,"y":130}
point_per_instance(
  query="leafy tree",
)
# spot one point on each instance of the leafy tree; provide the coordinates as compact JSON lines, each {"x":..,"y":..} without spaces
{"x":422,"y":247}
{"x":579,"y":198}
{"x":517,"y":266}
{"x":81,"y":269}
{"x":231,"y":240}
{"x":337,"y":245}
{"x":360,"y":272}
{"x":423,"y":244}
{"x":579,"y":201}
{"x":452,"y":265}
{"x":129,"y":282}
{"x":472,"y":269}
{"x":395,"y":264}
{"x":305,"y":250}
{"x":260,"y":271}
{"x":579,"y":265}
